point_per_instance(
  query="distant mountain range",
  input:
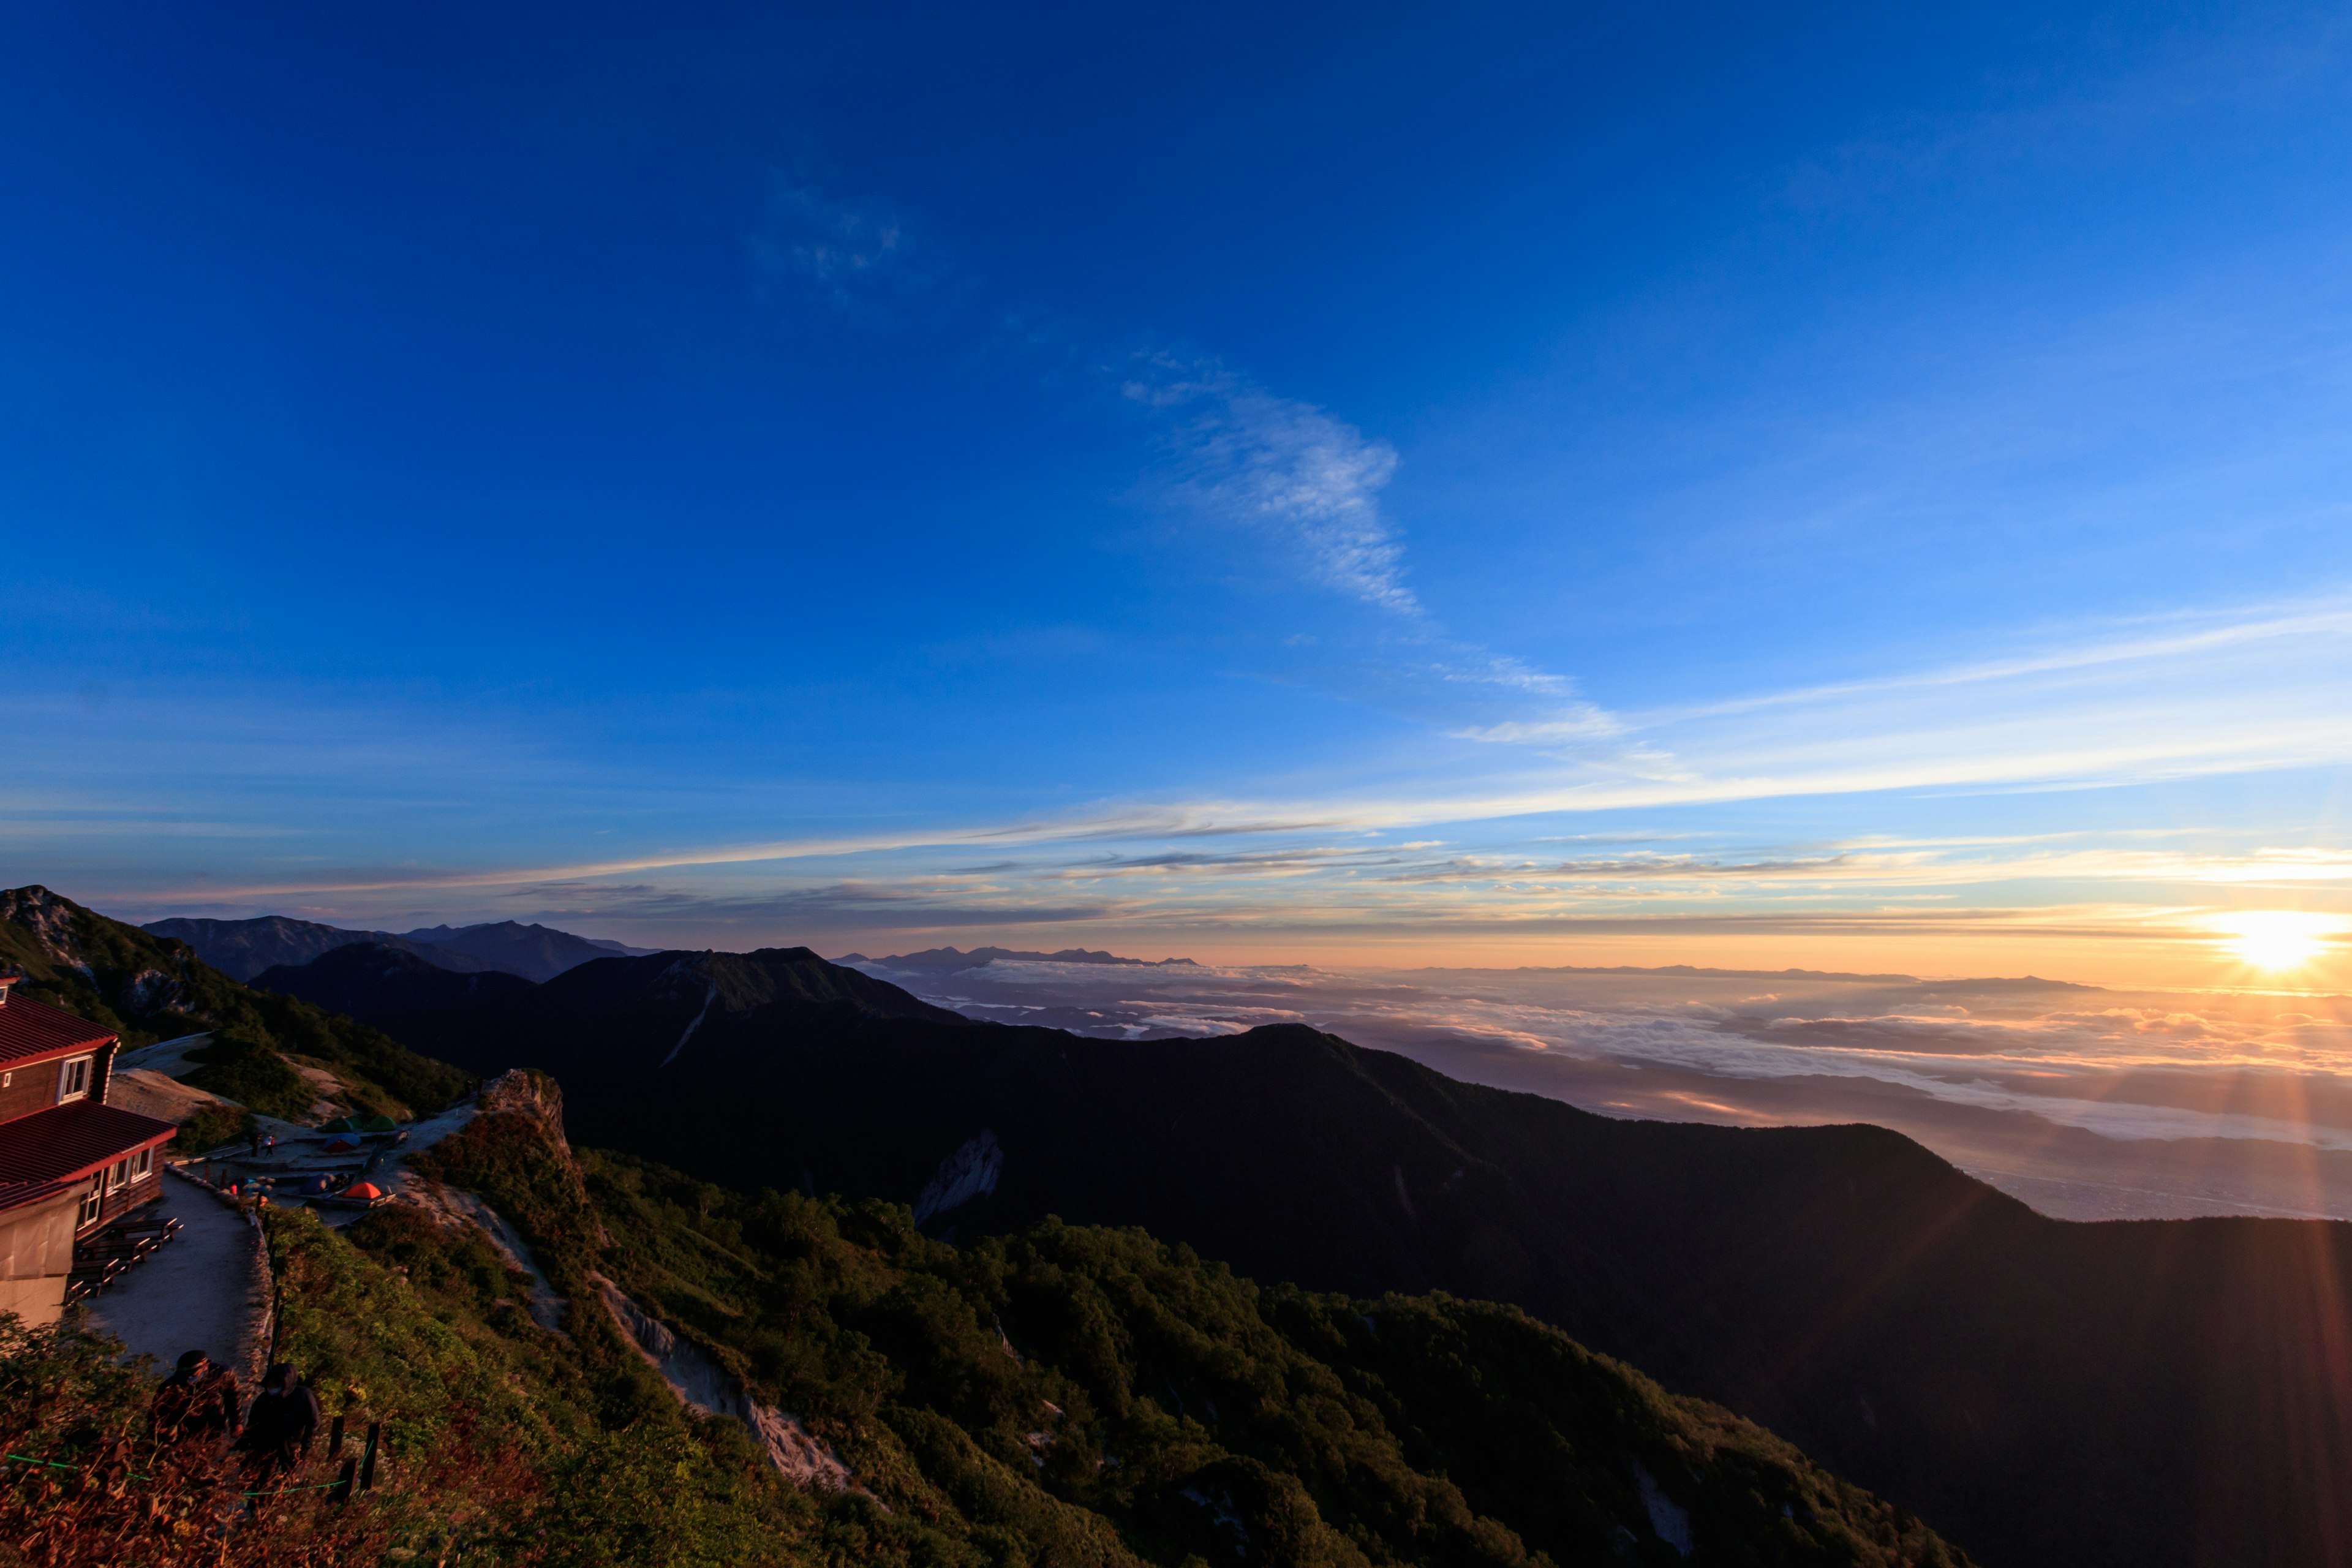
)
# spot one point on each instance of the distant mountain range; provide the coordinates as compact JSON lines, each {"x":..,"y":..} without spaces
{"x":386,"y":982}
{"x":1157,"y":1410}
{"x":2155,"y":1394}
{"x":947,"y":960}
{"x":242,"y":950}
{"x":150,"y":986}
{"x":533,"y":952}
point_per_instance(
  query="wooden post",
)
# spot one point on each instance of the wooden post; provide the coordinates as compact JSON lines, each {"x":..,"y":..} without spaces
{"x":367,"y":1466}
{"x":340,"y":1492}
{"x":335,"y":1439}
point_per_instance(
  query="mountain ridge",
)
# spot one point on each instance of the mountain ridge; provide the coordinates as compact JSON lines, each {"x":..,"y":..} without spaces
{"x":533,"y":952}
{"x":948,"y":959}
{"x":243,"y":949}
{"x":148,"y":987}
{"x":1988,"y":1368}
{"x":862,"y":1393}
{"x":392,"y":985}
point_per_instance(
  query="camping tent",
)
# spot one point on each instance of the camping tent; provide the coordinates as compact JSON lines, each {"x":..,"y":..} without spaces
{"x":340,"y":1124}
{"x":366,"y":1192}
{"x":379,"y":1124}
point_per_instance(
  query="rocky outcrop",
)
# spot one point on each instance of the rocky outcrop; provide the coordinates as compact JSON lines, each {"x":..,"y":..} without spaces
{"x":972,"y":1171}
{"x":536,"y":1105}
{"x":135,"y":980}
{"x":702,"y":1384}
{"x":453,"y":1207}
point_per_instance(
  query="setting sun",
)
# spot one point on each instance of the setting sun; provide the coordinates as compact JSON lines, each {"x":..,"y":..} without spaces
{"x":2275,"y":938}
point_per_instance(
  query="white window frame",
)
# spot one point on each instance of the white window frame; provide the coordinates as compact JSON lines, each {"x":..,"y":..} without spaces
{"x":118,"y":1175}
{"x":68,"y":1088}
{"x":92,"y":1202}
{"x":143,"y":1164}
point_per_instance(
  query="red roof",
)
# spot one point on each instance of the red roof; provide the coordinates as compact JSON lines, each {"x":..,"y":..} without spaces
{"x":73,"y":1139}
{"x":17,"y":1194}
{"x":30,"y":1028}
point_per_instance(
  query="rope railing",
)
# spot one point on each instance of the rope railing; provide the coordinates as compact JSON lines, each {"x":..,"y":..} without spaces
{"x":357,"y":1473}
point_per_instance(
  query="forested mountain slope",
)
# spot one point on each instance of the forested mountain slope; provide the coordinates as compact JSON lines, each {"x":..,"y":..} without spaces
{"x":149,"y":988}
{"x":392,"y":986}
{"x":1065,"y":1397}
{"x":2051,"y":1393}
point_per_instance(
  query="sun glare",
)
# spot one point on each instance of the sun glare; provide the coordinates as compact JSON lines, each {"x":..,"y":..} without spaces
{"x":2275,"y":938}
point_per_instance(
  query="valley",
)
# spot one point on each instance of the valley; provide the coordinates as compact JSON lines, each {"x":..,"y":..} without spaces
{"x":2044,"y":1392}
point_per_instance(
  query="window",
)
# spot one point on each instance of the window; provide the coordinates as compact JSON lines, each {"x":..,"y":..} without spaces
{"x":90,"y":1202}
{"x":119,"y":1174}
{"x":73,"y":1082}
{"x":143,"y":1164}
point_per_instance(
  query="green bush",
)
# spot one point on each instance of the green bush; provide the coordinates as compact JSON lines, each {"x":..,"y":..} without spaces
{"x":237,"y":1067}
{"x":212,"y":1127}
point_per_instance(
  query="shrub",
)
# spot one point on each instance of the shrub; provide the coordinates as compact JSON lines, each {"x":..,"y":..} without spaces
{"x":212,"y":1127}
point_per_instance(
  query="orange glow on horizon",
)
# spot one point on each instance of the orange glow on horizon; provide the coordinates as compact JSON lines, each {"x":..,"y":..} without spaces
{"x":2276,"y":941}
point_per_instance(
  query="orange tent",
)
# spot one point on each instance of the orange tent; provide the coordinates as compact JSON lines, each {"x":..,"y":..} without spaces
{"x":366,"y":1191}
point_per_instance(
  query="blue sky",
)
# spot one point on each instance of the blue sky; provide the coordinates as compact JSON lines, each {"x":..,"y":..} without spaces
{"x":1828,"y":486}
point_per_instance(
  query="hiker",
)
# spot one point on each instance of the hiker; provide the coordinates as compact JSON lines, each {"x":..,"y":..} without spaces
{"x":199,"y":1400}
{"x":269,"y":1145}
{"x":257,"y":1142}
{"x":279,"y":1427}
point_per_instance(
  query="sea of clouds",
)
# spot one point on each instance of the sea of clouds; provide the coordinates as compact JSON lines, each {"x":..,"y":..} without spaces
{"x":2087,"y":1103}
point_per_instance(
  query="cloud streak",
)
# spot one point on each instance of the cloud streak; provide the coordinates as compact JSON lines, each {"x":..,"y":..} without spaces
{"x":2102,"y":709}
{"x":1285,"y":466}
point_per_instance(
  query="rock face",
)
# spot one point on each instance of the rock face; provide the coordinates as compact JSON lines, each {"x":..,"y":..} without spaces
{"x":531,"y":1107}
{"x":89,"y":957}
{"x":965,"y":1176}
{"x":535,"y":1099}
{"x":701,"y":1384}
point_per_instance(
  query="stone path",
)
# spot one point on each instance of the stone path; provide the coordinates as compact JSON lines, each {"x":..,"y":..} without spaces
{"x":204,"y":1289}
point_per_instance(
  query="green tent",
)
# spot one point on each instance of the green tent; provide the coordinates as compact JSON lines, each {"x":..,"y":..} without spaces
{"x":341,"y":1124}
{"x":379,"y":1124}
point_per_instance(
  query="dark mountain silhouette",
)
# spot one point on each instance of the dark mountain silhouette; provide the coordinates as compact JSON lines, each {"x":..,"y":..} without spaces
{"x":243,"y":949}
{"x":2151,"y":1393}
{"x":533,"y":952}
{"x":150,"y":986}
{"x":391,"y":988}
{"x":947,"y":960}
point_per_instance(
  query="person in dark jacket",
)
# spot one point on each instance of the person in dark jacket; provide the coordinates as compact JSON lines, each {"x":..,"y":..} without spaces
{"x":199,"y":1400}
{"x":279,"y":1427}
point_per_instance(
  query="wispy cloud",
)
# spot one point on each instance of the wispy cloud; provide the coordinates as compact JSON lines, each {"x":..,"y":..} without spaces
{"x":1631,"y":868}
{"x":2207,"y":694}
{"x":1249,"y":456}
{"x":921,"y":903}
{"x":2245,"y":693}
{"x":855,"y":255}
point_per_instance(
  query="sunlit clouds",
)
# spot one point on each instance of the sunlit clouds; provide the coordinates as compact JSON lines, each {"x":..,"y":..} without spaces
{"x":2090,"y":1102}
{"x":1998,"y":799}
